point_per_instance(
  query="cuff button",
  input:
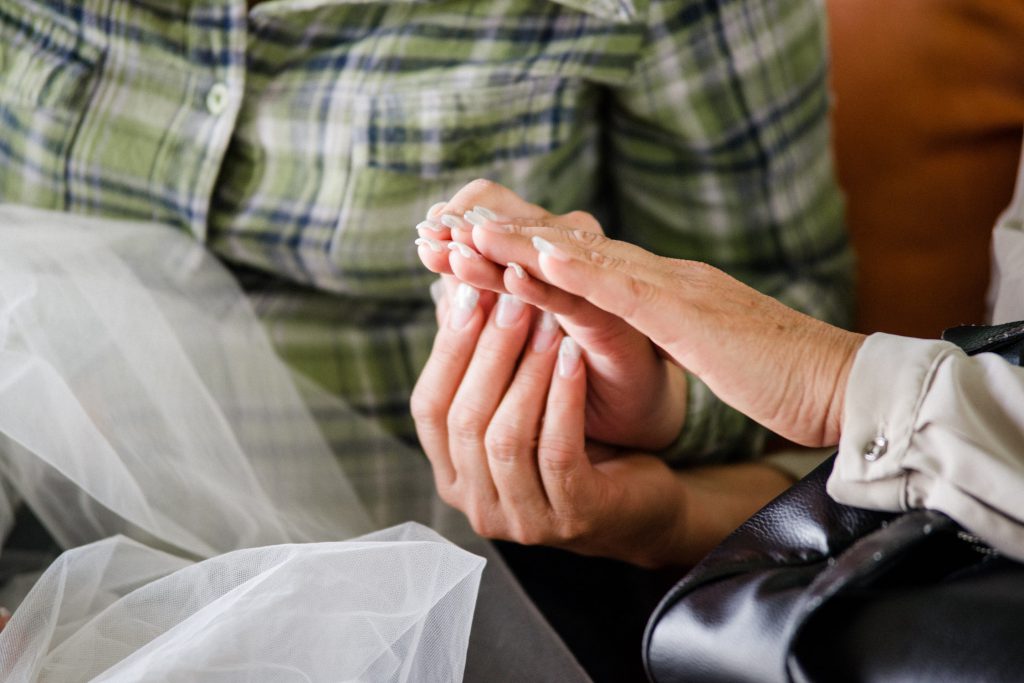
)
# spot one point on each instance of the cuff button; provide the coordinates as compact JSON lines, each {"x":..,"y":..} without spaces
{"x":876,"y":448}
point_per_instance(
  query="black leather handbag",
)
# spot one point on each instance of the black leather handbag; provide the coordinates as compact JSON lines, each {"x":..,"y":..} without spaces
{"x":810,"y":590}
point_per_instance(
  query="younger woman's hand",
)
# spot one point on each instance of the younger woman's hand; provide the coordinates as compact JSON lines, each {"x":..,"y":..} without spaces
{"x":499,"y":410}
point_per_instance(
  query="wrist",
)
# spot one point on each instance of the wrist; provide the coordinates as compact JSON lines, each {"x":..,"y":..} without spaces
{"x":847,"y":346}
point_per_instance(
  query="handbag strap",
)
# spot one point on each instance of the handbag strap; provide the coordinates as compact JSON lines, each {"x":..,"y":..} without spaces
{"x":1007,"y":340}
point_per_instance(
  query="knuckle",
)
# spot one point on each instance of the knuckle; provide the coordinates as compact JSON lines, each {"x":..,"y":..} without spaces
{"x":641,"y":295}
{"x":478,"y":191}
{"x":424,"y":408}
{"x":467,"y":423}
{"x":483,"y":523}
{"x":588,"y":239}
{"x":480,"y":186}
{"x":559,"y":454}
{"x":448,"y":493}
{"x":480,"y":526}
{"x":503,"y":443}
{"x":601,"y":259}
{"x":529,"y":534}
{"x":573,"y":528}
{"x":586,"y":219}
{"x":641,"y":290}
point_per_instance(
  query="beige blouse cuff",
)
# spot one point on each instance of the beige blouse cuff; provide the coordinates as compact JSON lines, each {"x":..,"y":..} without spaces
{"x":926,"y":426}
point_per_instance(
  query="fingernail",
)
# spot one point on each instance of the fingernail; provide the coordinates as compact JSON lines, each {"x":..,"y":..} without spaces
{"x":433,"y":244}
{"x":437,"y":291}
{"x":464,"y":250}
{"x":435,"y":208}
{"x":545,"y":247}
{"x":568,"y":357}
{"x":5,"y":613}
{"x":510,"y":309}
{"x":547,"y":330}
{"x":517,"y":269}
{"x":474,"y":218}
{"x":485,"y":212}
{"x":429,"y":225}
{"x":453,"y":222}
{"x":465,"y":301}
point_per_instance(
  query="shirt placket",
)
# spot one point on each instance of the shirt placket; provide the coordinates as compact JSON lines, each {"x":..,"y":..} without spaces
{"x":161,"y":114}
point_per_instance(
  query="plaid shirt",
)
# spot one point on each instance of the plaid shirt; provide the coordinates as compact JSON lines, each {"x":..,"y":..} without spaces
{"x":302,"y":140}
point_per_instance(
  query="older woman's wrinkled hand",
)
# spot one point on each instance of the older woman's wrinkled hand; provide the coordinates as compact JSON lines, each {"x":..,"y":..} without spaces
{"x":782,"y":368}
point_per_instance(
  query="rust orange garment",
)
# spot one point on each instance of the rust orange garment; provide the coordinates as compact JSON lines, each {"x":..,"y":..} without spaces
{"x":929,"y":109}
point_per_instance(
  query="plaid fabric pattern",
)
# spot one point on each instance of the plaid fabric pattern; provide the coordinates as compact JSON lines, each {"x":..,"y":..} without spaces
{"x":302,"y":140}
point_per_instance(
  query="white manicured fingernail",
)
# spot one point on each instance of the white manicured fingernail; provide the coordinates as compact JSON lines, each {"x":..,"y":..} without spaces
{"x":510,"y":309}
{"x":474,"y":218}
{"x":437,"y":291}
{"x":568,"y":357}
{"x":434,"y":209}
{"x":464,"y":250}
{"x":517,"y":269}
{"x":433,"y":244}
{"x":545,"y":247}
{"x":453,"y":222}
{"x":429,"y":225}
{"x":465,"y":302}
{"x":485,"y":212}
{"x":5,"y":613}
{"x":545,"y":333}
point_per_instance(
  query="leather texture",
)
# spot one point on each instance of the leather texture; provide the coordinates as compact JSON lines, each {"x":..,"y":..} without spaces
{"x":810,"y":590}
{"x":1007,"y":340}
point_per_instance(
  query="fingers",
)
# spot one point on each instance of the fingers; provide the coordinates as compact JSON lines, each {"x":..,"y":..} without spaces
{"x":481,"y":200}
{"x":624,"y":280}
{"x":561,"y":455}
{"x":494,"y":198}
{"x":596,"y":330}
{"x":469,"y":266}
{"x":438,"y":383}
{"x":511,"y":438}
{"x":514,"y":240}
{"x":484,"y":384}
{"x":605,"y":336}
{"x":432,"y":239}
{"x":442,"y":292}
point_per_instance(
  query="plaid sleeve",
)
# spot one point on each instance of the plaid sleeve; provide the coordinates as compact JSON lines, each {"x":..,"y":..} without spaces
{"x":720,"y":150}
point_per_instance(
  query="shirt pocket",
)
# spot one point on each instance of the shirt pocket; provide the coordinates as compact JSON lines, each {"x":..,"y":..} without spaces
{"x":47,"y":69}
{"x":411,"y":149}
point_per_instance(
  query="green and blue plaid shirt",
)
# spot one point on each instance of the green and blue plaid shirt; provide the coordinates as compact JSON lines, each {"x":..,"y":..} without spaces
{"x":302,"y":140}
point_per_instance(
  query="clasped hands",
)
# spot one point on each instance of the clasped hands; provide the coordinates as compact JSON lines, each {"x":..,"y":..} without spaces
{"x":557,"y":370}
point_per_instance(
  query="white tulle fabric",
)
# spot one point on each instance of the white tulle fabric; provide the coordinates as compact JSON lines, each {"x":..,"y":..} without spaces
{"x":392,"y":606}
{"x":140,"y":400}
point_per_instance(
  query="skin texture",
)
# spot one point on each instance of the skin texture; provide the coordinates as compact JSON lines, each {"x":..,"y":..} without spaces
{"x":637,"y":399}
{"x":502,"y":424}
{"x":522,"y":443}
{"x":784,"y":369}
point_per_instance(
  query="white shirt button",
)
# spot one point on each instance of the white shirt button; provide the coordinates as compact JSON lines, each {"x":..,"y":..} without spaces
{"x":217,"y":99}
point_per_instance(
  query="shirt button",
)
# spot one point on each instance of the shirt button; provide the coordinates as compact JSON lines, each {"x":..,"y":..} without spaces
{"x":876,"y":448}
{"x":217,"y":99}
